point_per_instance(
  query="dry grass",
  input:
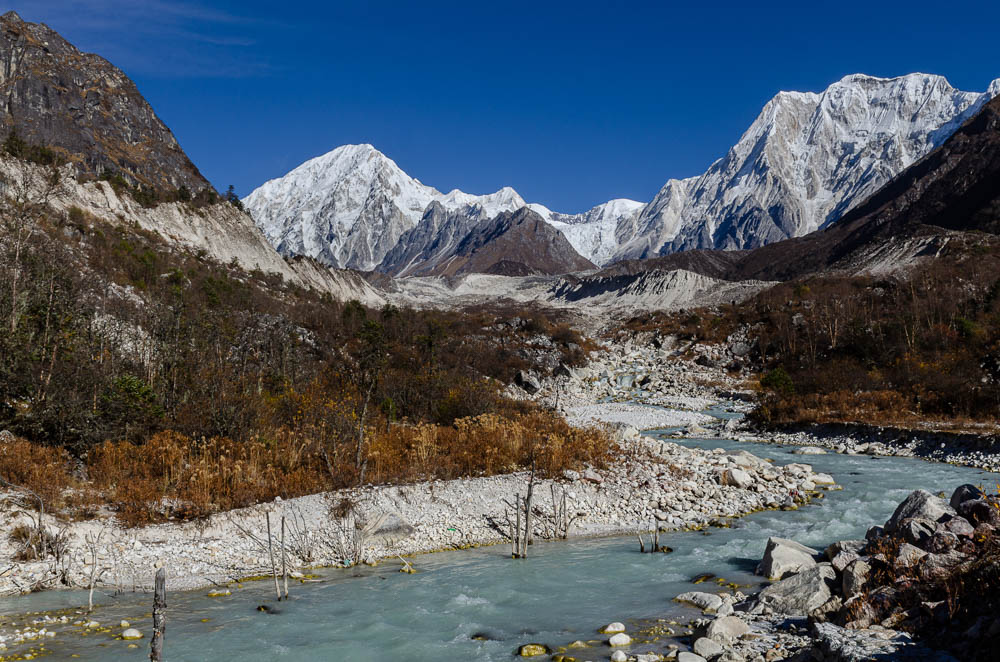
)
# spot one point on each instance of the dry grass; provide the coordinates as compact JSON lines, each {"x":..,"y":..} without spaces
{"x":44,"y":470}
{"x":172,"y":476}
{"x":486,"y":445}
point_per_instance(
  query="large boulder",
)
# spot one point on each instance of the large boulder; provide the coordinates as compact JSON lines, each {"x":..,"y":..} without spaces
{"x":921,"y":504}
{"x":965,"y":493}
{"x":528,"y":382}
{"x":854,"y":577}
{"x":842,"y":560}
{"x":958,"y":526}
{"x":908,"y":555}
{"x":390,"y":528}
{"x":736,"y":478}
{"x":704,"y":601}
{"x":799,"y":594}
{"x":620,"y":639}
{"x":707,"y":648}
{"x":846,"y":645}
{"x":533,"y":650}
{"x":981,"y":511}
{"x":746,"y":459}
{"x":916,"y":530}
{"x":784,"y":557}
{"x":841,"y":546}
{"x":726,"y":629}
{"x":823,"y":479}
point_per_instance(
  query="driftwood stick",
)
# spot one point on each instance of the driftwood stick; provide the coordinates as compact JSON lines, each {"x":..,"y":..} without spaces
{"x":642,"y":548}
{"x":284,"y":563}
{"x":656,"y":537}
{"x":159,"y":616}
{"x":517,"y":544}
{"x":527,"y":523}
{"x":529,"y":534}
{"x":270,"y":552}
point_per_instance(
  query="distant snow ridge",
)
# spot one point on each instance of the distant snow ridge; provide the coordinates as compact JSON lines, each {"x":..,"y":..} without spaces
{"x":806,"y":160}
{"x":348,"y":208}
{"x":352,"y":206}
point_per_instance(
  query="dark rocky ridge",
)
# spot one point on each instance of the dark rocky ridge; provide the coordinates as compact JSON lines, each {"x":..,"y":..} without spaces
{"x":517,"y":243}
{"x":85,"y":108}
{"x":424,"y":247}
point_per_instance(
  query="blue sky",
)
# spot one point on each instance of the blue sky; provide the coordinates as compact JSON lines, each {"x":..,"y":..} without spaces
{"x":570,"y":103}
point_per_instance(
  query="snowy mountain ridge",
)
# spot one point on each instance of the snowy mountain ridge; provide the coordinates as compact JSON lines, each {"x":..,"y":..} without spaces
{"x":806,"y":160}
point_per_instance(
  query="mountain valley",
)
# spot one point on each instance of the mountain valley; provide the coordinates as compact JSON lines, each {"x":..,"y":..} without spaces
{"x":323,"y":382}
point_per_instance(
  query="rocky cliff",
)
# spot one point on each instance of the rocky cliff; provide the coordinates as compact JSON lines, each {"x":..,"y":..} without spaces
{"x":86,"y":109}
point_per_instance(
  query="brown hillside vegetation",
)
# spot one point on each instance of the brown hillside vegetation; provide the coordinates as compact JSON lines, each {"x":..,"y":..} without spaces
{"x":165,"y":375}
{"x":920,"y":346}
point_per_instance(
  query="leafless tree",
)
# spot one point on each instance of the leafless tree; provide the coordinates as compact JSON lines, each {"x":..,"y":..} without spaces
{"x":24,"y":201}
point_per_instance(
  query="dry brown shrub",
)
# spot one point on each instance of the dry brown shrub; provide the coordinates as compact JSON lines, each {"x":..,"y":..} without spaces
{"x":173,"y":475}
{"x":486,"y":445}
{"x":42,"y":469}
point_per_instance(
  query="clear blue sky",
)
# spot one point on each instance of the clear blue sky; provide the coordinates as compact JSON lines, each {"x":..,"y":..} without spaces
{"x":570,"y":103}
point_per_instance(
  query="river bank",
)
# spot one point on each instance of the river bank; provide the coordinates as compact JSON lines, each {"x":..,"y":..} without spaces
{"x":646,"y":483}
{"x":788,"y":623}
{"x":969,"y":450}
{"x":479,"y":604}
{"x":647,"y":376}
{"x":650,"y":481}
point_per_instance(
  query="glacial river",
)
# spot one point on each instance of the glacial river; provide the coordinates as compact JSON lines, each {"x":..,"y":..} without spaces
{"x":564,"y":591}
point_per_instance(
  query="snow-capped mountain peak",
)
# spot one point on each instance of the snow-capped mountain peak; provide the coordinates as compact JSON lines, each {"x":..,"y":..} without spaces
{"x":349,"y":207}
{"x":994,"y":89}
{"x":804,"y":161}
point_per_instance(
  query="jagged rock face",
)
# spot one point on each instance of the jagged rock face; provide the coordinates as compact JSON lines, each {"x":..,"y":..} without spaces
{"x":954,"y":187}
{"x":433,"y":241}
{"x":349,"y":208}
{"x":805,"y":161}
{"x":221,"y":231}
{"x":521,"y":243}
{"x":83,"y":106}
{"x":951,"y":190}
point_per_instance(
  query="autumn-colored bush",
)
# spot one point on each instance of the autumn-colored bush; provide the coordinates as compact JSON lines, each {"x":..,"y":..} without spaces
{"x":485,"y":445}
{"x":909,"y":347}
{"x":171,"y":475}
{"x":42,"y":469}
{"x":174,"y":476}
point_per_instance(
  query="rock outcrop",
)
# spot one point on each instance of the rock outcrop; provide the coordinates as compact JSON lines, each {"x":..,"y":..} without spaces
{"x":86,"y":109}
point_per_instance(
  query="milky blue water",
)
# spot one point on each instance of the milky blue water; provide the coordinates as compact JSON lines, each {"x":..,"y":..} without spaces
{"x":563,"y":592}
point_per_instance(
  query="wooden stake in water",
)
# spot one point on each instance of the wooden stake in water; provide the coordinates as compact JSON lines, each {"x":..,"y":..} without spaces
{"x":284,"y":564}
{"x":270,"y":552}
{"x":159,"y":616}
